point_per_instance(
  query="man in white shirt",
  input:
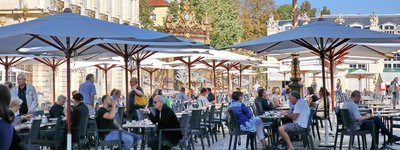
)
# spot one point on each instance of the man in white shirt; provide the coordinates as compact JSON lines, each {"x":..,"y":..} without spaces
{"x":299,"y":116}
{"x":203,"y":97}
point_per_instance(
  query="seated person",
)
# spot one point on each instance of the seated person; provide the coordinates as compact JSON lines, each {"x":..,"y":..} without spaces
{"x":263,"y":100}
{"x":105,"y":120}
{"x":57,"y":110}
{"x":15,"y":104}
{"x":311,"y":97}
{"x":79,"y":112}
{"x":299,"y":116}
{"x":245,"y":118}
{"x":166,"y":119}
{"x":351,"y":105}
{"x":321,"y":102}
{"x":276,"y":101}
{"x":203,"y":97}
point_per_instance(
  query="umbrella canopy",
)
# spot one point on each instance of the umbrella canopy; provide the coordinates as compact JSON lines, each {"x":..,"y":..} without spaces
{"x":321,"y":37}
{"x":313,"y":33}
{"x":371,"y":51}
{"x":360,"y":74}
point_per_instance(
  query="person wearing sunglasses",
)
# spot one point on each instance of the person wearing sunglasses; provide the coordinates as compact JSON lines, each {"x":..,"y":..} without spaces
{"x":166,"y":119}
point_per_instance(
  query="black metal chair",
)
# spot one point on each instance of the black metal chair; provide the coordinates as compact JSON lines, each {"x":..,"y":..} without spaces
{"x":305,"y":134}
{"x":259,"y":109}
{"x":314,"y":121}
{"x":82,"y":137}
{"x":52,"y":137}
{"x":140,"y":114}
{"x":184,"y":127}
{"x":348,"y":129}
{"x":120,"y":115}
{"x":99,"y":141}
{"x":234,"y":130}
{"x":196,"y":129}
{"x":31,"y":139}
{"x":219,"y":121}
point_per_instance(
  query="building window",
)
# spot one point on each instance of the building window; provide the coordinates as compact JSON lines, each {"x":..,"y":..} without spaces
{"x":358,"y":66}
{"x":396,"y":66}
{"x":153,"y":17}
{"x":388,"y":66}
{"x":389,"y":27}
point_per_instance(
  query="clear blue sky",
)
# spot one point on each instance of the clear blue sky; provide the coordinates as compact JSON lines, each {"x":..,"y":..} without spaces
{"x":353,"y":6}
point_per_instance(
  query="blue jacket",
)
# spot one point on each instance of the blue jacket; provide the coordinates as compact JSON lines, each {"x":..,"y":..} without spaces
{"x":242,"y":113}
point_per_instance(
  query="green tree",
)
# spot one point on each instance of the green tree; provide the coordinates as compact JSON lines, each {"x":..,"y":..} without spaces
{"x":225,"y":20}
{"x":325,"y":11}
{"x":254,"y":15}
{"x":285,"y":12}
{"x":174,"y":8}
{"x":305,"y":7}
{"x":199,"y":8}
{"x":145,"y":11}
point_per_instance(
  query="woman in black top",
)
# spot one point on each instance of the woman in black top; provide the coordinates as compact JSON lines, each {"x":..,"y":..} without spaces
{"x":311,"y":97}
{"x":263,"y":100}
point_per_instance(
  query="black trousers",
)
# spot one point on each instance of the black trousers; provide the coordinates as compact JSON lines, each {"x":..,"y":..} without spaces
{"x":378,"y":124}
{"x":152,"y":142}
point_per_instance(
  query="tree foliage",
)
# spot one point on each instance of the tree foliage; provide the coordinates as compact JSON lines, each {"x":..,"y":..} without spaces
{"x":225,"y":20}
{"x":145,"y":12}
{"x":174,"y":8}
{"x":325,"y":11}
{"x":285,"y":12}
{"x":305,"y":7}
{"x":254,"y":15}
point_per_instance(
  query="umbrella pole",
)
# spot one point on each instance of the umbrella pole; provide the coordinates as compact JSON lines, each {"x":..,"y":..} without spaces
{"x":106,"y":78}
{"x":214,"y":79}
{"x":138,"y":70}
{"x":54,"y":83}
{"x":326,"y":142}
{"x":69,"y":136}
{"x":151,"y":82}
{"x":6,"y":68}
{"x":126,"y":87}
{"x":240,"y":79}
{"x":229,"y":85}
{"x":189,"y":74}
{"x":332,"y":84}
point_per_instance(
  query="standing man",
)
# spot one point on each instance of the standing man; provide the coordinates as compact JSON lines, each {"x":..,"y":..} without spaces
{"x":27,"y":93}
{"x":394,"y":89}
{"x":211,"y":96}
{"x":57,"y":110}
{"x":136,"y":91}
{"x":88,"y":90}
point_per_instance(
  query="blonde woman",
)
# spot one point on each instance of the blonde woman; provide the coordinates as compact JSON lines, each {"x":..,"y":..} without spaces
{"x":15,"y":105}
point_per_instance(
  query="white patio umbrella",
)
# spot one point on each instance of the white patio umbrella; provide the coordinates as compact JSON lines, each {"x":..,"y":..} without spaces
{"x":321,"y":37}
{"x":360,"y":74}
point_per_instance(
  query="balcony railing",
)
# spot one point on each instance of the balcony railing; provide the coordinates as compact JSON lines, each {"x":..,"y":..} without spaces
{"x":391,"y":70}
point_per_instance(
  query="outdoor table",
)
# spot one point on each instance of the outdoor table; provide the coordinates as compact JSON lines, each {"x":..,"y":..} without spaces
{"x":388,"y":121}
{"x":276,"y":118}
{"x":179,"y":114}
{"x":141,"y":125}
{"x":27,"y":125}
